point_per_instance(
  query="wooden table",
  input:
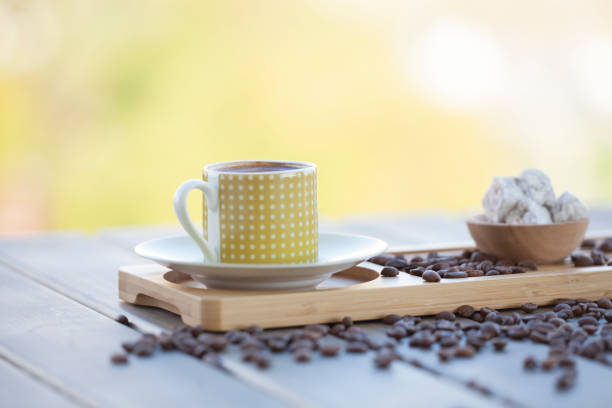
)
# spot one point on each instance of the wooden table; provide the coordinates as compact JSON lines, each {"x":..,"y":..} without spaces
{"x":59,"y":299}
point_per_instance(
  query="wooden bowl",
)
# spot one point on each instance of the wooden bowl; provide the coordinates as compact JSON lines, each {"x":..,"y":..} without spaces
{"x":544,"y":244}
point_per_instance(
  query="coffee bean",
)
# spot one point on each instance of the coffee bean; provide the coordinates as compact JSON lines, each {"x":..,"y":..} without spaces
{"x":329,"y":350}
{"x":431,"y":276}
{"x":380,"y":259}
{"x":518,"y":332}
{"x":301,"y":355}
{"x":277,"y":346}
{"x":397,"y":263}
{"x":445,"y":315}
{"x":119,"y":358}
{"x":416,"y":259}
{"x":250,"y":355}
{"x":465,"y":311}
{"x":518,"y":269}
{"x":347,"y":321}
{"x":465,"y":351}
{"x":606,"y":245}
{"x":396,"y":333}
{"x":262,"y":360}
{"x":439,"y":266}
{"x":422,"y":339}
{"x":448,"y":341}
{"x":199,"y":351}
{"x":337,"y":328}
{"x":455,"y":275}
{"x":581,"y":260}
{"x":604,"y":303}
{"x":587,"y":320}
{"x":357,"y":347}
{"x":389,"y":272}
{"x":530,"y":363}
{"x":566,"y":380}
{"x":549,"y":364}
{"x":492,"y":272}
{"x":384,"y":358}
{"x":566,"y":362}
{"x":235,"y":337}
{"x":391,"y":318}
{"x":143,"y":350}
{"x":418,"y":271}
{"x":165,"y":341}
{"x":128,"y":347}
{"x":499,"y":344}
{"x":529,"y":307}
{"x":608,"y":316}
{"x":446,"y":354}
{"x":598,"y":257}
{"x":538,"y":337}
{"x":251,"y":344}
{"x":587,"y":243}
{"x":475,"y":273}
{"x":477,"y":317}
{"x":122,"y":319}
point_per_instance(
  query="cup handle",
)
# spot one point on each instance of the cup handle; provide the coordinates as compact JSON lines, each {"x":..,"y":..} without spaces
{"x":180,"y":208}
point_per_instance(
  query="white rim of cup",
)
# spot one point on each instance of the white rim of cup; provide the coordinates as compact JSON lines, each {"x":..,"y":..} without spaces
{"x":217,"y":167}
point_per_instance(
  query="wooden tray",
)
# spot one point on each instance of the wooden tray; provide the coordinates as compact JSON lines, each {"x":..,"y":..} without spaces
{"x":359,"y":292}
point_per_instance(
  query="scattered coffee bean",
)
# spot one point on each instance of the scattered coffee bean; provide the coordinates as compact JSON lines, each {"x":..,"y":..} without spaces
{"x":530,"y":363}
{"x":418,"y":271}
{"x":549,"y":363}
{"x":384,"y":358}
{"x":347,"y":321}
{"x":455,"y":275}
{"x":446,"y":354}
{"x":499,"y":344}
{"x":380,"y":259}
{"x":301,"y":355}
{"x":604,"y":303}
{"x":465,"y":351}
{"x":446,"y":316}
{"x":262,"y":360}
{"x":566,"y":380}
{"x":398,"y":263}
{"x":529,"y":307}
{"x":329,"y":350}
{"x":598,"y":257}
{"x":431,"y":276}
{"x":587,"y":243}
{"x":390,"y":319}
{"x":492,"y":272}
{"x":389,"y":272}
{"x":581,"y":260}
{"x":357,"y":347}
{"x":465,"y":311}
{"x":122,"y":319}
{"x":143,"y":350}
{"x":606,"y":245}
{"x":475,"y":273}
{"x":119,"y":358}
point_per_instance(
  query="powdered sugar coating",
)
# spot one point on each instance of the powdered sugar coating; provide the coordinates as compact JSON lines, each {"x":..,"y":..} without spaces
{"x":568,"y":208}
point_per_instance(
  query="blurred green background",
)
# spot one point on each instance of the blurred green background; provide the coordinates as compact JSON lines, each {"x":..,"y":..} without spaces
{"x":107,"y":106}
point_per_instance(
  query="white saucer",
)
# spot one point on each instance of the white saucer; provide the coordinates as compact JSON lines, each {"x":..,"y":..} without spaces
{"x":337,"y":252}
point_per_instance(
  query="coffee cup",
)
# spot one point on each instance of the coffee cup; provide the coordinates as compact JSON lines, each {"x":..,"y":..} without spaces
{"x":255,"y":211}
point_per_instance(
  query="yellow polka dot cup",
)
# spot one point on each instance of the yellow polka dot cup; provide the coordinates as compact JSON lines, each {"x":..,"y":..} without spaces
{"x":257,"y":212}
